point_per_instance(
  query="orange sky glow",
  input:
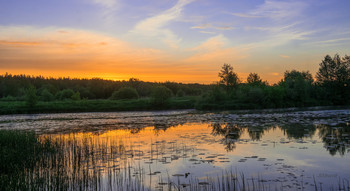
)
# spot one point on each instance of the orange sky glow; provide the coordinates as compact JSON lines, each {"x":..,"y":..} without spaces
{"x":172,"y":40}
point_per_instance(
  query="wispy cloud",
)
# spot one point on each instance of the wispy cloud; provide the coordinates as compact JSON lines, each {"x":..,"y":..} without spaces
{"x":245,"y":15}
{"x":80,"y":49}
{"x":276,"y":10}
{"x":330,"y":42}
{"x":281,"y":24}
{"x":284,"y":56}
{"x":203,"y":26}
{"x":156,"y":26}
{"x":279,"y":38}
{"x":66,"y":51}
{"x":214,"y":51}
{"x":207,"y":32}
{"x":211,"y":26}
{"x":109,"y":8}
{"x":110,"y":4}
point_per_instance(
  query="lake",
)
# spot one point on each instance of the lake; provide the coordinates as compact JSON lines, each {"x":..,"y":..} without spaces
{"x":188,"y":150}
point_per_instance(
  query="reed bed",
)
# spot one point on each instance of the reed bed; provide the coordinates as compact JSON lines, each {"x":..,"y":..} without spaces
{"x":66,"y":162}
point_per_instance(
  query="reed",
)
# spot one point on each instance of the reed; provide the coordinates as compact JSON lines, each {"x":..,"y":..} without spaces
{"x":65,"y":162}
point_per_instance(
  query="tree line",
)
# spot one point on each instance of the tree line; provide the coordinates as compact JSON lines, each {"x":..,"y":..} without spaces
{"x":25,"y":87}
{"x":297,"y":89}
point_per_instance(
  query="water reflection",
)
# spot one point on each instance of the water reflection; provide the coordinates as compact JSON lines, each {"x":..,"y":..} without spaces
{"x":229,"y":132}
{"x":181,"y":156}
{"x":192,"y":152}
{"x":335,"y":139}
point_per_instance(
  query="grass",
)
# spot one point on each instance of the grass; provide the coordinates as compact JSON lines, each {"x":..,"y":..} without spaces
{"x":19,"y":153}
{"x":20,"y":107}
{"x":29,"y":162}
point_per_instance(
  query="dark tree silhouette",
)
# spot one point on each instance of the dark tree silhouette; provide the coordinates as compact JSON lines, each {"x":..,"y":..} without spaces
{"x":334,"y":69}
{"x":228,"y":77}
{"x":254,"y":78}
{"x":334,"y":76}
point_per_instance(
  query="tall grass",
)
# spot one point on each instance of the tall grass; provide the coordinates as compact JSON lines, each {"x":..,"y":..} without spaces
{"x":19,"y":154}
{"x":69,"y":162}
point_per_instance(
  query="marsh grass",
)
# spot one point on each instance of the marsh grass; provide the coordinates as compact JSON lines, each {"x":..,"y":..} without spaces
{"x":71,"y":162}
{"x":19,"y":154}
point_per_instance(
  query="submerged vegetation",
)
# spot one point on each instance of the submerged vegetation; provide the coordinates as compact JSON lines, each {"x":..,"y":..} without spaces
{"x":29,"y":94}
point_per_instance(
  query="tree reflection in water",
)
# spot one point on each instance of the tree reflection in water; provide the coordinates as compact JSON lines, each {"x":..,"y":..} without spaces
{"x":335,"y":139}
{"x":230,"y":133}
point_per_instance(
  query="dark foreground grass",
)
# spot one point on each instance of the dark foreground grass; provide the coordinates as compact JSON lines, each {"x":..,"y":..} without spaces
{"x":29,"y":162}
{"x":19,"y":153}
{"x":20,"y":107}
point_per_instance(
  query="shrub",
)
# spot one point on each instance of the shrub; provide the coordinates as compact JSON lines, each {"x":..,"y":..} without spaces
{"x":256,"y":95}
{"x":75,"y":96}
{"x":180,"y":93}
{"x":125,"y":93}
{"x":160,"y":95}
{"x":31,"y":97}
{"x":64,"y":94}
{"x":9,"y":98}
{"x":46,"y":96}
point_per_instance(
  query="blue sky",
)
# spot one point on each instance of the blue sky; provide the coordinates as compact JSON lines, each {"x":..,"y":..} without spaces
{"x":176,"y":40}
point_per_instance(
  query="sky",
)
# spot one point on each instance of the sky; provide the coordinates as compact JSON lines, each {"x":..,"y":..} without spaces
{"x":184,"y":41}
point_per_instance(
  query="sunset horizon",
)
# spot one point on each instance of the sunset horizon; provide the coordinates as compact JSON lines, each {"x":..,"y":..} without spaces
{"x":184,"y":41}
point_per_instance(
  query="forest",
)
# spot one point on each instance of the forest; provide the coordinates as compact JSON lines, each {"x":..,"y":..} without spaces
{"x":38,"y":94}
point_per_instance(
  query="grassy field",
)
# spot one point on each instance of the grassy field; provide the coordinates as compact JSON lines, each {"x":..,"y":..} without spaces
{"x":20,"y":107}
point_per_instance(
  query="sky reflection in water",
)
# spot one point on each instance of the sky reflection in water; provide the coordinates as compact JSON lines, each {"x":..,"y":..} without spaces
{"x":180,"y":149}
{"x":197,"y":150}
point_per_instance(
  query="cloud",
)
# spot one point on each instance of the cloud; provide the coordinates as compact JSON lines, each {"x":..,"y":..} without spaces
{"x":42,"y":48}
{"x":280,"y":27}
{"x":276,"y":10}
{"x":207,"y":32}
{"x":59,"y":52}
{"x":110,"y":4}
{"x":156,"y":26}
{"x":210,"y":26}
{"x":203,"y":26}
{"x":215,"y":50}
{"x":284,"y":56}
{"x":274,"y":38}
{"x":109,"y":8}
{"x":224,"y":28}
{"x":245,"y":15}
{"x":330,"y":42}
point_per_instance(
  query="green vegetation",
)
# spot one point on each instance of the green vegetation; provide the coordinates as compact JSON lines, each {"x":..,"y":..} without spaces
{"x":125,"y":93}
{"x":31,"y":97}
{"x":19,"y":153}
{"x":161,"y":95}
{"x":84,"y":105}
{"x":296,"y":89}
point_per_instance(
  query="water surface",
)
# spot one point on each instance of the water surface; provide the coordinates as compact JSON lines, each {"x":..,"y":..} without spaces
{"x":194,"y":151}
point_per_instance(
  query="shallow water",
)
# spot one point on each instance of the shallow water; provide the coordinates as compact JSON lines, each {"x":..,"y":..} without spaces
{"x":188,"y":150}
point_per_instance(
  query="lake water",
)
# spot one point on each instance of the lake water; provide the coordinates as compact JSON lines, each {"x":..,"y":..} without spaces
{"x":186,"y":150}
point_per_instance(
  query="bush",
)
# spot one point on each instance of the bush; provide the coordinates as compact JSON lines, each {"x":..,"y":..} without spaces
{"x":75,"y":96}
{"x":160,"y":95}
{"x":65,"y":94}
{"x":46,"y":96}
{"x":9,"y":98}
{"x":31,"y":97}
{"x":125,"y":93}
{"x":180,"y":93}
{"x":256,"y":95}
